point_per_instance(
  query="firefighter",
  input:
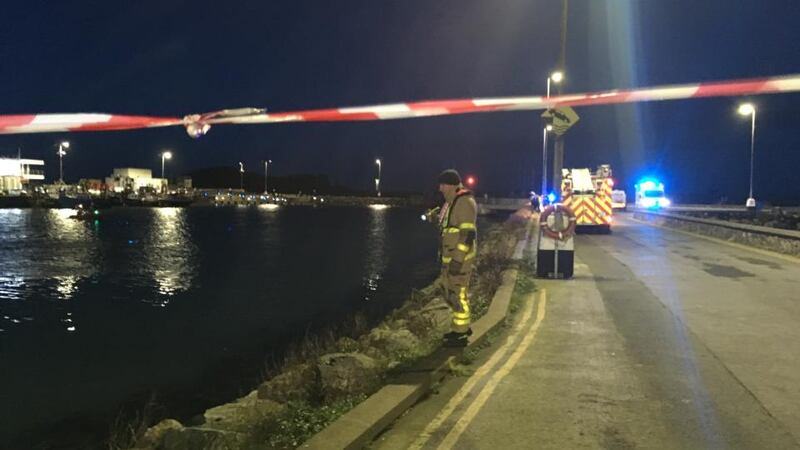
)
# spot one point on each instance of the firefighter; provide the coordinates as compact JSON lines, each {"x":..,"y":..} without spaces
{"x":458,"y":248}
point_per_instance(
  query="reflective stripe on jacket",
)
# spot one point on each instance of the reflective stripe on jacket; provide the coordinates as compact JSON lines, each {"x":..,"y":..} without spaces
{"x":459,"y":233}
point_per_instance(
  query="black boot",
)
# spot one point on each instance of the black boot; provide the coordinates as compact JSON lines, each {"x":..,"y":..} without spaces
{"x":454,"y":339}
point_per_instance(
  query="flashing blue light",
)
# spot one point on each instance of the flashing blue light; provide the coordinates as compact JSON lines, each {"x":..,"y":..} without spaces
{"x":551,"y":197}
{"x":650,"y":184}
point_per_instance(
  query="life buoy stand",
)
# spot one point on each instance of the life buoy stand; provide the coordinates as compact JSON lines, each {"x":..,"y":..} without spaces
{"x":558,"y":230}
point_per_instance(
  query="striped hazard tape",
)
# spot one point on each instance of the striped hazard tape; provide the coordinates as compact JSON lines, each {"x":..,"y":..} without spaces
{"x":199,"y":124}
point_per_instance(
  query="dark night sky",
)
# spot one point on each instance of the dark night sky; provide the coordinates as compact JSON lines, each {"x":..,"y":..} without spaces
{"x":174,"y":57}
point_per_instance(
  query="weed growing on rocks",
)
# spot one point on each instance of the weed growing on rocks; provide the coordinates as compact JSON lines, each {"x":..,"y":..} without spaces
{"x":300,"y":421}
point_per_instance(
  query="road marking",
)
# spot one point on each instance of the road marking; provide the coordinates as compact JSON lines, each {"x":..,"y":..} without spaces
{"x":457,"y":399}
{"x":462,"y":424}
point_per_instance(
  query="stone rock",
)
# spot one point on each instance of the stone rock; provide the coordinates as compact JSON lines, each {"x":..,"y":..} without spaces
{"x":295,"y":383}
{"x":195,"y":438}
{"x":384,"y":343}
{"x":346,"y":374}
{"x":398,"y":324}
{"x":155,"y":434}
{"x":347,"y":345}
{"x":242,"y":415}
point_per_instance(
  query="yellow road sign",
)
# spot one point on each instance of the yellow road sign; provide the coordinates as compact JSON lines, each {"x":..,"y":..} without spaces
{"x":561,"y":118}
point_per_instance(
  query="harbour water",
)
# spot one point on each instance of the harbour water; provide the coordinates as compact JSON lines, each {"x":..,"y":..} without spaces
{"x":183,"y":303}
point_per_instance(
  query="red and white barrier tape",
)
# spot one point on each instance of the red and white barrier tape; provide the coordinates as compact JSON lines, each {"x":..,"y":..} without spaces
{"x":197,"y":124}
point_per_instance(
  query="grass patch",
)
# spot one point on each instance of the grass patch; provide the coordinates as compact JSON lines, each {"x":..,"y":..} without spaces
{"x":299,"y":422}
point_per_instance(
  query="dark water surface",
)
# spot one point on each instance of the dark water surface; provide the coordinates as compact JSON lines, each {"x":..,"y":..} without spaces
{"x":186,"y":301}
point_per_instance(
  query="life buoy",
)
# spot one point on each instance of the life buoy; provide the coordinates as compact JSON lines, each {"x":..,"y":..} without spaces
{"x":558,"y":233}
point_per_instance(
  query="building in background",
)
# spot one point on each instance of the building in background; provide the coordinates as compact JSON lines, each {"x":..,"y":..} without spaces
{"x":92,"y":185}
{"x":129,"y":179}
{"x":16,"y":174}
{"x":184,"y":182}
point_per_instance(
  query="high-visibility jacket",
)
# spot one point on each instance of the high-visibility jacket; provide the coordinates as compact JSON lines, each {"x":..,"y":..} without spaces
{"x":459,"y":232}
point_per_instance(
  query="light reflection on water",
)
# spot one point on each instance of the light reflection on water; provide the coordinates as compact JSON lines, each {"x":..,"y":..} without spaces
{"x":169,"y":252}
{"x":375,"y":263}
{"x":153,"y":297}
{"x":47,"y":254}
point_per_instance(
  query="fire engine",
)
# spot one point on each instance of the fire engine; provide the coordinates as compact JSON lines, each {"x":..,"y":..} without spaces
{"x":588,"y":195}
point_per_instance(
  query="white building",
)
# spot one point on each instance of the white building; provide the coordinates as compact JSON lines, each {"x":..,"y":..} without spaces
{"x":15,"y":173}
{"x":132,"y":179}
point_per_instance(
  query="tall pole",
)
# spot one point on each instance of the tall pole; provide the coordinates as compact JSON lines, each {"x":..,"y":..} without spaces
{"x":165,"y":155}
{"x":748,"y":109}
{"x":61,"y":152}
{"x":558,"y":150}
{"x":266,"y":175}
{"x":241,"y":176}
{"x":752,"y":147}
{"x":378,"y":180}
{"x":554,"y":77}
{"x":544,"y":161}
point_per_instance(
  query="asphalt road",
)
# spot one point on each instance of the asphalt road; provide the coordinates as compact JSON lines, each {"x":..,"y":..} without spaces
{"x":661,"y":340}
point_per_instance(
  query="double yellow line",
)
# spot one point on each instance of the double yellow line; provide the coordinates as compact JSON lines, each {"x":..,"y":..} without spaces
{"x":483,"y":395}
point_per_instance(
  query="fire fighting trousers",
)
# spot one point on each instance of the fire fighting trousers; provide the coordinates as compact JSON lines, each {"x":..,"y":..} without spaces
{"x":455,"y":294}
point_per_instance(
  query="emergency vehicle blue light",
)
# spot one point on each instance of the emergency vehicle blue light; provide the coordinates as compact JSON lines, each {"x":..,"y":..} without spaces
{"x":650,"y":184}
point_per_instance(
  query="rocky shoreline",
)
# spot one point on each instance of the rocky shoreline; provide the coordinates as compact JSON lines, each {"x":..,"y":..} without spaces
{"x":325,"y":377}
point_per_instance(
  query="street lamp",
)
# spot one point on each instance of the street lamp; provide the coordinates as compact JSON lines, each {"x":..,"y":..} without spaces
{"x":241,"y":176}
{"x":61,"y":152}
{"x":378,"y":180}
{"x":164,"y":156}
{"x":266,"y":175}
{"x":555,"y":77}
{"x":746,"y":109}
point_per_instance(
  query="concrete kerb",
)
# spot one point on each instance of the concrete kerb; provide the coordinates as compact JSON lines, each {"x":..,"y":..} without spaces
{"x":359,"y":426}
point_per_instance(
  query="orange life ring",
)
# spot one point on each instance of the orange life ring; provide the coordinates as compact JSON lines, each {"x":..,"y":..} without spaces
{"x":561,"y":235}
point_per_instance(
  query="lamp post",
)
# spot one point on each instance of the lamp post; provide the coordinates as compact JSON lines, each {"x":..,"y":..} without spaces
{"x":165,"y":155}
{"x":266,"y":175}
{"x":555,"y":77}
{"x":61,"y":152}
{"x":746,"y":109}
{"x":378,"y":180}
{"x":241,"y":176}
{"x":546,"y":129}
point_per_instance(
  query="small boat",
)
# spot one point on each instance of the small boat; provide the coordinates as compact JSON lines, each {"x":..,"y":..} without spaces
{"x":85,"y":213}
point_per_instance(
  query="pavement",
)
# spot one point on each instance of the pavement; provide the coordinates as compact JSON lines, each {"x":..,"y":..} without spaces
{"x":661,"y":340}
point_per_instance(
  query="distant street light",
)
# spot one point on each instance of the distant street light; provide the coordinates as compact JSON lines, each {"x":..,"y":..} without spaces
{"x":241,"y":176}
{"x":555,"y":77}
{"x":378,"y":180}
{"x":747,"y":109}
{"x":266,"y":175}
{"x":164,"y":156}
{"x":61,"y":152}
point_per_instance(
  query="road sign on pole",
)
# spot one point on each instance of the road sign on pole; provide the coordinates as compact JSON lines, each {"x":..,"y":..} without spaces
{"x":561,"y":118}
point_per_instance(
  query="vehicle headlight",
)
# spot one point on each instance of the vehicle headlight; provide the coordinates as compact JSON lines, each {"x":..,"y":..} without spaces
{"x":665,"y":202}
